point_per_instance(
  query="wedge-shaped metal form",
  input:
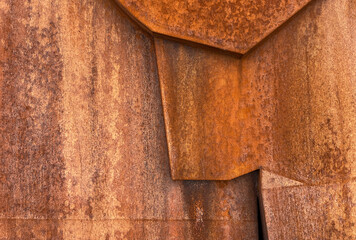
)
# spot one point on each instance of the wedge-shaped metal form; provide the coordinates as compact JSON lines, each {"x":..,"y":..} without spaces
{"x":275,"y":106}
{"x":201,"y":93}
{"x":234,"y":25}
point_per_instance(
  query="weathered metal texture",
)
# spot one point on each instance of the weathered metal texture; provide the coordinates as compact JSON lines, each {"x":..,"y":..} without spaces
{"x":216,"y":123}
{"x":234,"y":25}
{"x":298,"y":92}
{"x":294,"y":210}
{"x":288,"y":105}
{"x":200,"y":95}
{"x":310,"y":63}
{"x":82,"y":142}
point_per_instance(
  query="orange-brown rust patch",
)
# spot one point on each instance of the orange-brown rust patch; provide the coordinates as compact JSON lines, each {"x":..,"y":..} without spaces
{"x":309,"y":64}
{"x":218,"y":115}
{"x":317,"y":212}
{"x":200,"y":94}
{"x":83,"y":147}
{"x":232,"y":25}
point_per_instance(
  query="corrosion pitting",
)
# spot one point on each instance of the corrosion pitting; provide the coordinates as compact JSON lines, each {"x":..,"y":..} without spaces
{"x":232,"y":25}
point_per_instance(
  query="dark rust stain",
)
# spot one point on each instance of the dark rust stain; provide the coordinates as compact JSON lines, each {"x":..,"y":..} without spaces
{"x":217,"y":207}
{"x":197,"y":199}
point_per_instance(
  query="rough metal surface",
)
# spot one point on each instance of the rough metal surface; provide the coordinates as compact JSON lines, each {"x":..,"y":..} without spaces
{"x":293,"y":210}
{"x":288,"y":105}
{"x":216,"y":122}
{"x":234,"y":25}
{"x":310,"y":65}
{"x":200,"y":94}
{"x":297,"y":89}
{"x":83,"y":148}
{"x":310,"y":191}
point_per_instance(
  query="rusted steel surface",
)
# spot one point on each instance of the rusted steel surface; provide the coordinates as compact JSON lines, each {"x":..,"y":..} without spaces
{"x":288,"y":105}
{"x":293,"y":210}
{"x":217,"y":123}
{"x":188,"y":210}
{"x":310,"y":64}
{"x":83,"y":147}
{"x":297,"y":89}
{"x":232,"y":25}
{"x":200,"y":95}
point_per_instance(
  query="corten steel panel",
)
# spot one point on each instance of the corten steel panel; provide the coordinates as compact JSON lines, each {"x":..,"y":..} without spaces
{"x":217,"y":124}
{"x":311,"y":67}
{"x":234,"y":25}
{"x":200,"y":95}
{"x":293,"y":210}
{"x":310,"y":191}
{"x":291,"y":110}
{"x":82,"y":142}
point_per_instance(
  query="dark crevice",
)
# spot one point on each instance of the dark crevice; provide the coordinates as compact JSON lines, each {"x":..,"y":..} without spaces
{"x":259,"y":220}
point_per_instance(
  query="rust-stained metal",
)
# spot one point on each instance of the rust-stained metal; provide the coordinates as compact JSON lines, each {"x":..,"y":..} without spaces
{"x":308,"y":188}
{"x":217,"y":122}
{"x":234,"y":25}
{"x":293,"y":210}
{"x":278,"y":107}
{"x":83,"y":145}
{"x":310,"y":64}
{"x":82,"y":142}
{"x":200,"y":94}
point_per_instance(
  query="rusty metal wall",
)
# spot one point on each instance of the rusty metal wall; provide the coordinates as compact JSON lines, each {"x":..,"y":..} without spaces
{"x":309,"y":65}
{"x":83,"y":147}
